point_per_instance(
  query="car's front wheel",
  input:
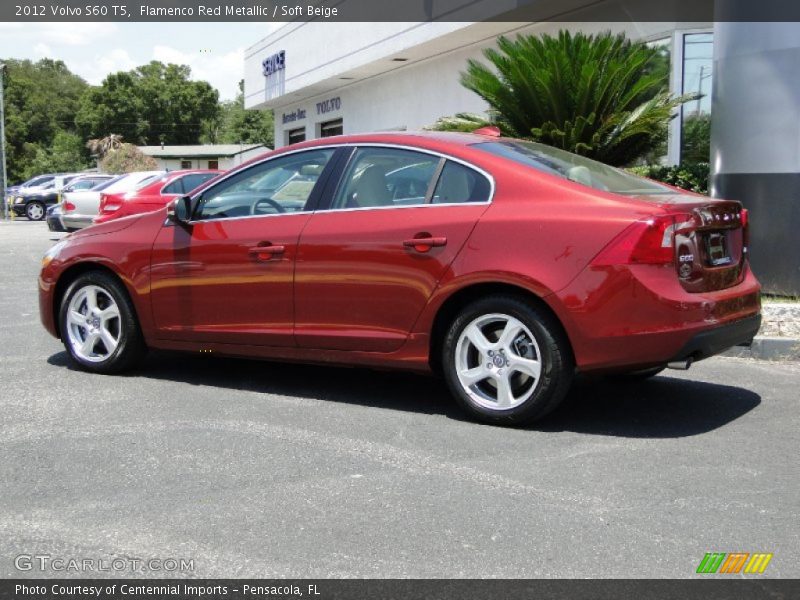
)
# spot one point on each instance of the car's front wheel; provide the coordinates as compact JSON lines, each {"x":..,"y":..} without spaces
{"x":506,"y":361}
{"x":35,"y":211}
{"x":98,"y":324}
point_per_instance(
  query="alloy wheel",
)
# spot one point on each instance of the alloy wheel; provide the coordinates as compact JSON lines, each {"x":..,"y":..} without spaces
{"x":94,"y":326}
{"x":498,"y":361}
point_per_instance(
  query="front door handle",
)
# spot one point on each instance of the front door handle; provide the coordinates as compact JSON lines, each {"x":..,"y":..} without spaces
{"x":425,"y":243}
{"x":266,"y":251}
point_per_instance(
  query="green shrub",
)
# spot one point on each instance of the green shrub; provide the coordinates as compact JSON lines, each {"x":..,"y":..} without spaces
{"x":687,"y":176}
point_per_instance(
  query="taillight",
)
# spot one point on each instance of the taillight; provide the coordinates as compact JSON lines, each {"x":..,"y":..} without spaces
{"x":68,"y":206}
{"x":649,"y":242}
{"x":744,"y":219}
{"x":107,"y":208}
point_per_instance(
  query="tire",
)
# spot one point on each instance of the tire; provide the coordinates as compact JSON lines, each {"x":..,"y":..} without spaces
{"x":35,"y":211}
{"x":117,"y":343}
{"x":516,"y":371}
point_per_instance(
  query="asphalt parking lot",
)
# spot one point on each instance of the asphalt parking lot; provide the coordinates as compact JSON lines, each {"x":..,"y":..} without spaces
{"x":255,"y":469}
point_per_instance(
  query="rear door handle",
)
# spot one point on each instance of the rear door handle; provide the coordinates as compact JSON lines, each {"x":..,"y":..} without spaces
{"x":423,"y":244}
{"x":266,"y":251}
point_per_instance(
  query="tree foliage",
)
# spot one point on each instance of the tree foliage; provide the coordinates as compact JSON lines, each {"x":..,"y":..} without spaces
{"x":602,"y":96}
{"x":688,"y":176}
{"x":41,"y":99}
{"x":100,"y":147}
{"x":236,"y":125}
{"x":465,"y":122}
{"x":152,"y":104}
{"x":127,"y":158}
{"x":696,"y":143}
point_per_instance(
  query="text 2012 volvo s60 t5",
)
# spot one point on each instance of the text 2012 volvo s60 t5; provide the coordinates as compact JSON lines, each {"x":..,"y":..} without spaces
{"x":508,"y":266}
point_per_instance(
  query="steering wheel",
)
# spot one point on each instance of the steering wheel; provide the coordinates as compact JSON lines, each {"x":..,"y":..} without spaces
{"x":270,"y":201}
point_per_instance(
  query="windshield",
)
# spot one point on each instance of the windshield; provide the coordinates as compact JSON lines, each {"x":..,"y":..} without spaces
{"x":573,"y":167}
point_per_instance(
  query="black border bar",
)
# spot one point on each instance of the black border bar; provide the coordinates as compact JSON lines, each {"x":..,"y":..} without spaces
{"x":702,"y":588}
{"x":211,"y":11}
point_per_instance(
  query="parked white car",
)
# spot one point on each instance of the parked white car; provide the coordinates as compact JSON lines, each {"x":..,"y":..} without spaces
{"x":78,"y":208}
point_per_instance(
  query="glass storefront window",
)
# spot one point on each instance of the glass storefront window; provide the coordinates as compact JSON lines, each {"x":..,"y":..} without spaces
{"x":697,"y":78}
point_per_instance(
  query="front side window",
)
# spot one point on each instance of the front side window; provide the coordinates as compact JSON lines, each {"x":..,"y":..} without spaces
{"x":385,"y":177}
{"x":281,"y":185}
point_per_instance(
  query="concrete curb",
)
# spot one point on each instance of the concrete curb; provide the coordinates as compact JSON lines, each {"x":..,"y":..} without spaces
{"x":768,"y":348}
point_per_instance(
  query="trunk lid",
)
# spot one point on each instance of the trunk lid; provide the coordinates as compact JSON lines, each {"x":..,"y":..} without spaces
{"x":710,"y":240}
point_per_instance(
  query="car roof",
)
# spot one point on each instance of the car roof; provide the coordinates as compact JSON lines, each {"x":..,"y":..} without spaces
{"x":431,"y":140}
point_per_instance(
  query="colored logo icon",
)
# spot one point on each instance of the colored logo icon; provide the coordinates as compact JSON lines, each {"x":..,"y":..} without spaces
{"x":734,"y":562}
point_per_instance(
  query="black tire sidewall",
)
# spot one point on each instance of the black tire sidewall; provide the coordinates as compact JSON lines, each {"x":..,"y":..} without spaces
{"x":556,"y":361}
{"x":130,"y":347}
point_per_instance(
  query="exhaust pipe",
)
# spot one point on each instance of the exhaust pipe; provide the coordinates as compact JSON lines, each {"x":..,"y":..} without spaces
{"x":680,"y":365}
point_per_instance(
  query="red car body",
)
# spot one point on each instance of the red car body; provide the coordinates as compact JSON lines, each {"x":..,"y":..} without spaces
{"x":353,"y":286}
{"x":153,"y":195}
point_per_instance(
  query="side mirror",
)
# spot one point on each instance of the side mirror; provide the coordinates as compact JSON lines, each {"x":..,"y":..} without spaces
{"x":180,"y":210}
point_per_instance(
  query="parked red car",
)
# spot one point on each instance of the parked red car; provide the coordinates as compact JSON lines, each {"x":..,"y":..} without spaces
{"x":505,"y":265}
{"x":152,"y":194}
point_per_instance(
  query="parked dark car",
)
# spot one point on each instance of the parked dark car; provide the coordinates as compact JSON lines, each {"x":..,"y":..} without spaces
{"x":33,"y":202}
{"x":54,"y":218}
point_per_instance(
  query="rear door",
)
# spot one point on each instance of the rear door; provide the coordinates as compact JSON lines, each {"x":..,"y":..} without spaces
{"x":371,"y":257}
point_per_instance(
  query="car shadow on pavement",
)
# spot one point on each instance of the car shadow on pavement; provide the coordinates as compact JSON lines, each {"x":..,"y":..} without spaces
{"x":661,"y":407}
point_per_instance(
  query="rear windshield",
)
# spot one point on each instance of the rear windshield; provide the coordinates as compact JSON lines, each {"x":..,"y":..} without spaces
{"x":148,"y":180}
{"x":107,"y":183}
{"x":573,"y":167}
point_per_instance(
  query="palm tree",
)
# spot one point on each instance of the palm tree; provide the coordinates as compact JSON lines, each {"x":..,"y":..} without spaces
{"x":602,"y":96}
{"x":102,"y":146}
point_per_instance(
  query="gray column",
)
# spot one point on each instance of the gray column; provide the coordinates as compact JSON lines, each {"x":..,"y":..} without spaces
{"x":755,"y":140}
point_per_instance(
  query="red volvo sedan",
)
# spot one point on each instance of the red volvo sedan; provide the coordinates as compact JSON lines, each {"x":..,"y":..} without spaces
{"x":152,"y":193}
{"x":507,"y":266}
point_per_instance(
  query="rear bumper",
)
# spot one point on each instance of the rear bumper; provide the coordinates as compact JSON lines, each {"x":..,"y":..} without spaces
{"x":713,"y":341}
{"x":630,"y":318}
{"x":74,"y":221}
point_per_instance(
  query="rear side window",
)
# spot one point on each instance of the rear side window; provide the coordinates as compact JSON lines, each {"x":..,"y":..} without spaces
{"x":176,"y":187}
{"x":459,"y":184}
{"x":185,"y":184}
{"x":386,"y":177}
{"x":190,"y":182}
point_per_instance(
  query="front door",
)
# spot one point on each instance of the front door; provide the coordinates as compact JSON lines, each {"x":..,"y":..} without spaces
{"x":227,"y":277}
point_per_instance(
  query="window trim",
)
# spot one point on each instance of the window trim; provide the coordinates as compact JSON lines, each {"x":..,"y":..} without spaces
{"x":311,"y":204}
{"x":429,"y":194}
{"x":334,"y":172}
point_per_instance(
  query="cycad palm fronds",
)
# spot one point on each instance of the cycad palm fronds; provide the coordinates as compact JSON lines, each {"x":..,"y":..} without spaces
{"x":596,"y":95}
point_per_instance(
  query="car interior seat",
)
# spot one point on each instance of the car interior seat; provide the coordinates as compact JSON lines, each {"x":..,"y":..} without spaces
{"x":370,"y":189}
{"x":455,"y":186}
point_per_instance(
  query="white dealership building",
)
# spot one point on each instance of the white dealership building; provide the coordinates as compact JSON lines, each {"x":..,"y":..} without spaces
{"x":327,"y":78}
{"x":324,"y":79}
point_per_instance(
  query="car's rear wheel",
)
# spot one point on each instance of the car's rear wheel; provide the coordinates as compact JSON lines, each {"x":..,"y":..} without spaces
{"x":506,"y":361}
{"x":98,"y":324}
{"x":35,"y":211}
